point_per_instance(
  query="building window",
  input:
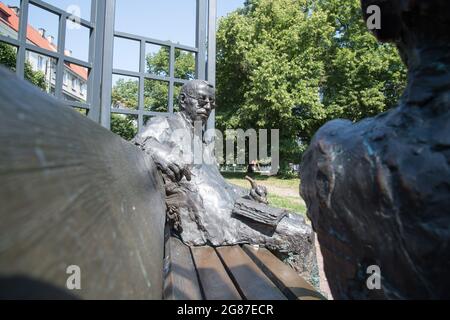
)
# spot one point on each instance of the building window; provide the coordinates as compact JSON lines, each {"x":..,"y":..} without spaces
{"x":83,"y":90}
{"x":66,"y":78}
{"x":40,"y":65}
{"x":74,"y":83}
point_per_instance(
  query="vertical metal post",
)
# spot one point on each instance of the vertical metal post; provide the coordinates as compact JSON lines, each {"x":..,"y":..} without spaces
{"x":200,"y":43}
{"x":96,"y":57}
{"x":141,"y":103}
{"x":61,"y":50}
{"x":108,"y":47}
{"x":211,"y":63}
{"x":171,"y":76}
{"x":21,"y":54}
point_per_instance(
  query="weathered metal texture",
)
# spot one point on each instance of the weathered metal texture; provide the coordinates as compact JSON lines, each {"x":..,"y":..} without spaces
{"x":250,"y":280}
{"x":259,"y":213}
{"x":378,"y":190}
{"x":290,"y":283}
{"x":181,"y":282}
{"x":73,"y":193}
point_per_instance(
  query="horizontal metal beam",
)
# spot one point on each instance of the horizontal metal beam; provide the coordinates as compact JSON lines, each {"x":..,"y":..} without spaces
{"x":130,"y":36}
{"x":150,"y":76}
{"x":60,"y":12}
{"x":10,"y":40}
{"x":139,"y":74}
{"x":137,"y":112}
{"x":58,"y":55}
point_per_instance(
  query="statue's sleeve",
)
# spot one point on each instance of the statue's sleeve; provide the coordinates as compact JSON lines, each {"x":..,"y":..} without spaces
{"x":153,"y":140}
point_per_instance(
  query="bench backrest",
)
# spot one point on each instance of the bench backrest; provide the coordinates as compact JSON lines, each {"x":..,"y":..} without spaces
{"x":73,"y":193}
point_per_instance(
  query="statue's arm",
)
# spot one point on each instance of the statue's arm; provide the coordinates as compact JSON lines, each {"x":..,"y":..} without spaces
{"x":161,"y":154}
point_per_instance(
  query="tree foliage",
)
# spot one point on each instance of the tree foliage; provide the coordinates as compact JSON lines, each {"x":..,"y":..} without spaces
{"x":8,"y":58}
{"x":315,"y":55}
{"x":156,"y":93}
{"x":123,"y":125}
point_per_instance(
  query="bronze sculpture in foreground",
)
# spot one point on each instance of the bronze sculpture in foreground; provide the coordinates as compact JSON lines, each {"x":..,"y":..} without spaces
{"x":378,"y":191}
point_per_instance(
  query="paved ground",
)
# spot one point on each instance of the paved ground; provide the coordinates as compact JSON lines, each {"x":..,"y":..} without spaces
{"x":324,"y":287}
{"x":281,"y":191}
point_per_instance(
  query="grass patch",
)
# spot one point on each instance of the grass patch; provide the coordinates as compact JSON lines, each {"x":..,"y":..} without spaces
{"x":283,"y":192}
{"x":272,"y":180}
{"x":288,"y":203}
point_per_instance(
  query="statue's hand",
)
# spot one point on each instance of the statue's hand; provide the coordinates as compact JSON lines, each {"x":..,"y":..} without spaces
{"x":174,"y":171}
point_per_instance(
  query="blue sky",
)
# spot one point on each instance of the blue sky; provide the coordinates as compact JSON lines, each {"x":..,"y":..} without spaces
{"x":165,"y":20}
{"x":172,"y":20}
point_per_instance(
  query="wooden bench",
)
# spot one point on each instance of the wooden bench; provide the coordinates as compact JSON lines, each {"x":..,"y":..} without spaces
{"x":73,"y":194}
{"x":230,"y":273}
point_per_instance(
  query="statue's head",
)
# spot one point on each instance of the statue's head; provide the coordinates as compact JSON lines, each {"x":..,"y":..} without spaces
{"x":412,"y":24}
{"x":197,"y":100}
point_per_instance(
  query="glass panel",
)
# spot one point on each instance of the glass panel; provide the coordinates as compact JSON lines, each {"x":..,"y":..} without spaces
{"x":42,"y":28}
{"x":176,"y":94}
{"x":157,"y":59}
{"x":156,"y":95}
{"x":40,"y":70}
{"x":9,"y":18}
{"x":8,"y":55}
{"x":78,"y":8}
{"x":125,"y":92}
{"x":125,"y":126}
{"x":173,"y":20}
{"x":126,"y":54}
{"x":77,"y":41}
{"x":75,"y":82}
{"x":184,"y":64}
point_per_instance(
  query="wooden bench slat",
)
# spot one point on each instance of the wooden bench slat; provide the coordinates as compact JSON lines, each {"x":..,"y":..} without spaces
{"x":289,"y":282}
{"x":181,"y":282}
{"x":214,"y":279}
{"x":249,"y":278}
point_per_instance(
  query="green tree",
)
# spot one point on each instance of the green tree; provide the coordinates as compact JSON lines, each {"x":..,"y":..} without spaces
{"x":315,"y":55}
{"x":124,"y":126}
{"x":125,"y":94}
{"x":8,"y":58}
{"x":271,"y":59}
{"x":364,"y":77}
{"x":156,"y":93}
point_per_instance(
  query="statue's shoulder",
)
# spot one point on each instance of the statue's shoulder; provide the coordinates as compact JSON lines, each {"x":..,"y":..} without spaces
{"x":155,"y":127}
{"x":159,"y":127}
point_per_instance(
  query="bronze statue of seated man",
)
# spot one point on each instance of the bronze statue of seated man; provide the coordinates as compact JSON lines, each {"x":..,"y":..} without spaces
{"x":200,"y":203}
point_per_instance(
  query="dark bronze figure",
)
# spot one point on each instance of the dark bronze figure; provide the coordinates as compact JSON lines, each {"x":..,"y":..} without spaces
{"x":378,"y":191}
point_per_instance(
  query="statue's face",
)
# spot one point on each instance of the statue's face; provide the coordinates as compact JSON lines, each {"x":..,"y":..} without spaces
{"x":199,"y":105}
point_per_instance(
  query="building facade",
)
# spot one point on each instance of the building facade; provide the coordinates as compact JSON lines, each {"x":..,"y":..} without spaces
{"x":75,"y":77}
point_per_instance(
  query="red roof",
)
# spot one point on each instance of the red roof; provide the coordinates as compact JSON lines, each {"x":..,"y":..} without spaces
{"x":12,"y":20}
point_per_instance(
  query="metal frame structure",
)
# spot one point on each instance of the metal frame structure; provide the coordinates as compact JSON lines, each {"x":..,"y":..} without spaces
{"x":95,"y":50}
{"x":100,"y":60}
